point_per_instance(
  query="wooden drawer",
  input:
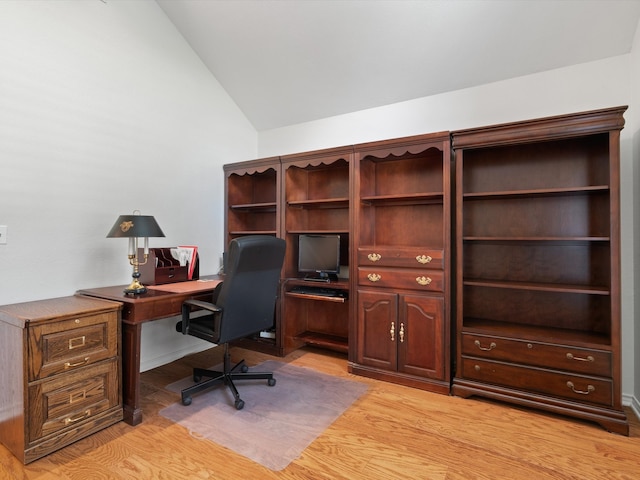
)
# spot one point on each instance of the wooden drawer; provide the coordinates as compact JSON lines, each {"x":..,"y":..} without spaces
{"x":69,"y":400}
{"x":580,"y":388}
{"x":63,"y":346}
{"x":423,"y":280}
{"x":558,"y":357}
{"x":409,"y":257}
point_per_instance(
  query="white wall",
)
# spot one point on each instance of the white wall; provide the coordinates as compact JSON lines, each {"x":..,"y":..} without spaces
{"x":606,"y":83}
{"x":104,"y":108}
{"x":586,"y":86}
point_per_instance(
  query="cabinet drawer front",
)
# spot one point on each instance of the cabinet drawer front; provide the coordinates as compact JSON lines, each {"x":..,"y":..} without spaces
{"x":409,"y":257}
{"x":424,"y":280}
{"x":63,"y":346}
{"x":68,"y":400}
{"x":558,"y":357}
{"x":161,"y":275}
{"x":580,"y":388}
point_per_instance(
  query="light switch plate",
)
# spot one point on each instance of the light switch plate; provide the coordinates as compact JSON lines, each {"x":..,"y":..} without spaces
{"x":3,"y":234}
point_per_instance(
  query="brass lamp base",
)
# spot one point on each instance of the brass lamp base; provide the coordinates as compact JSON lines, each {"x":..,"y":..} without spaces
{"x":135,"y":287}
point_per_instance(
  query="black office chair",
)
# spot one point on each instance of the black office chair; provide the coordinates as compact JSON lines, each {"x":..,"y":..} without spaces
{"x":243,"y":304}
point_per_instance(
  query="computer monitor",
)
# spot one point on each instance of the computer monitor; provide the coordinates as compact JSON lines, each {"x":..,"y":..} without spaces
{"x":319,"y":256}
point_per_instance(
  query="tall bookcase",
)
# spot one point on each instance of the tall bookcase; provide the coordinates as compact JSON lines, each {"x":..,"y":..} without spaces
{"x":252,"y":207}
{"x":316,"y":200}
{"x":400,"y":322}
{"x":538,"y":264}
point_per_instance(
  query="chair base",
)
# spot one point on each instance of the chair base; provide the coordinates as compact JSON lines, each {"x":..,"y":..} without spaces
{"x":238,"y":372}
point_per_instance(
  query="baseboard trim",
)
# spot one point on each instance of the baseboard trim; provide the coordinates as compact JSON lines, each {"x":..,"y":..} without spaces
{"x":169,"y":357}
{"x":631,"y":401}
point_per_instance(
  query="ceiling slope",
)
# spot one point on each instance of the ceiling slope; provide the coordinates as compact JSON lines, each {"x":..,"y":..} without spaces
{"x":291,"y":61}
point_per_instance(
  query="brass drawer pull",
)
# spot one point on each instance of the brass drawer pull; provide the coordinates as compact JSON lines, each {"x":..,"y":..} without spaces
{"x":491,"y":346}
{"x":392,"y":331}
{"x":581,"y":359}
{"x":78,"y":364}
{"x":77,"y":342}
{"x":401,"y":333}
{"x":423,"y":259}
{"x":374,"y":257}
{"x":424,"y":281}
{"x":590,"y":389}
{"x":374,"y":277}
{"x":85,"y":414}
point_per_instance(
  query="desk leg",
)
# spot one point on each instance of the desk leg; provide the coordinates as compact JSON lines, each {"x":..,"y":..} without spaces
{"x":131,"y":372}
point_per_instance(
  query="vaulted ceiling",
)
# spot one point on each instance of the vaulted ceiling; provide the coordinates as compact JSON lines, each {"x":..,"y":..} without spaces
{"x":291,"y":61}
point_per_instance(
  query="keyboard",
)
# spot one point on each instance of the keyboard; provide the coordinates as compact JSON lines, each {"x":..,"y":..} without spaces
{"x":319,"y":291}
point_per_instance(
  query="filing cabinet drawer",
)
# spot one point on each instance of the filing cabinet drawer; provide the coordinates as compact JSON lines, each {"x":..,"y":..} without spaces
{"x":63,"y":346}
{"x":71,"y":399}
{"x":409,"y":257}
{"x":558,"y":357}
{"x":424,"y":280}
{"x":598,"y":391}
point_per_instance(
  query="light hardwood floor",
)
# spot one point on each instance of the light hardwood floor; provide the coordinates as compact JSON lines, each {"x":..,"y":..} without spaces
{"x":391,"y":432}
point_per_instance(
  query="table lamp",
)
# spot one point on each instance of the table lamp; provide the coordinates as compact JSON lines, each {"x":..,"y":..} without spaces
{"x":133,"y":227}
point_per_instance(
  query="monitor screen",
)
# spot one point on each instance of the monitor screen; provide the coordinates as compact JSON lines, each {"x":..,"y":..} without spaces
{"x":319,"y":254}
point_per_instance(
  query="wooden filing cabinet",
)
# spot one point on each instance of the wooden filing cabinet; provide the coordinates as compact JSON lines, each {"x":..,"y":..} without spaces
{"x":60,"y":373}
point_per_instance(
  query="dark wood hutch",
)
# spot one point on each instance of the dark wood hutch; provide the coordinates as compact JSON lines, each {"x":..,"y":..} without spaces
{"x":483,"y":261}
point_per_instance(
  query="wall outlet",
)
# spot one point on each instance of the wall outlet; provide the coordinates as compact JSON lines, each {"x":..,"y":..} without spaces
{"x":3,"y":234}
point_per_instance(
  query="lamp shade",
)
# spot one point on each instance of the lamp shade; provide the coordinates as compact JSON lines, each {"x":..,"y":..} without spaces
{"x":135,"y":226}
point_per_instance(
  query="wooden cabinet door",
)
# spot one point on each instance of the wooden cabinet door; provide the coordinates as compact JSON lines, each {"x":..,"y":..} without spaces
{"x":421,"y":336}
{"x":377,"y":329}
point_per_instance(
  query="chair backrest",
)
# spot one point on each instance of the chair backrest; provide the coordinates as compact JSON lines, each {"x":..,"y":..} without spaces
{"x":250,"y":287}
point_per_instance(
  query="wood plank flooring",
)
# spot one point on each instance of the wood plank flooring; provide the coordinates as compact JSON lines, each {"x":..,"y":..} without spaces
{"x":391,"y":432}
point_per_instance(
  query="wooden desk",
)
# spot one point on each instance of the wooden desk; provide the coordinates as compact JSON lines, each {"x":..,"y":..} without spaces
{"x":138,"y":309}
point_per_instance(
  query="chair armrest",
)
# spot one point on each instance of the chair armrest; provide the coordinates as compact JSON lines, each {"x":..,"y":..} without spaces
{"x":186,"y":310}
{"x":212,"y":307}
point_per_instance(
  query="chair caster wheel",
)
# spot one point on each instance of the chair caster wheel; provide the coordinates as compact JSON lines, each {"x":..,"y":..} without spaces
{"x":244,"y":369}
{"x":239,"y":404}
{"x":271,"y":382}
{"x":186,"y":401}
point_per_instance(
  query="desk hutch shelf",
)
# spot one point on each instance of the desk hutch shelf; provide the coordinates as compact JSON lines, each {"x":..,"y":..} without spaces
{"x":316,"y":200}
